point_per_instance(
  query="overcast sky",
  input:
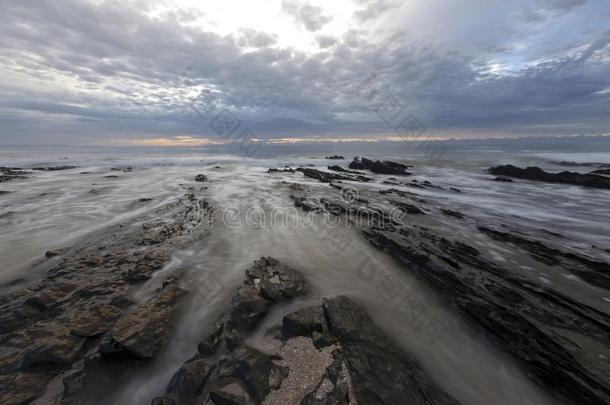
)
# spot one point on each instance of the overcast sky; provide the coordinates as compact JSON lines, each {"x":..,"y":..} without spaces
{"x":135,"y":71}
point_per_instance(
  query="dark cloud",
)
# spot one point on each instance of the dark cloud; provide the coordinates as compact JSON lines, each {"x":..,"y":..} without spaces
{"x":89,"y":71}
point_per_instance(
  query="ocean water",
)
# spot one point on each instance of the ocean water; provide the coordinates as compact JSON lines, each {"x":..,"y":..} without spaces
{"x":61,"y":208}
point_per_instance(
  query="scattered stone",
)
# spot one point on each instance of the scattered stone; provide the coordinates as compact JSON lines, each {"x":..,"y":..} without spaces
{"x":201,"y":178}
{"x":335,"y":157}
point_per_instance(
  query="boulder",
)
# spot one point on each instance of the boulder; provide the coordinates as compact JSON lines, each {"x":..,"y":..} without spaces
{"x":380,"y":167}
{"x":145,"y":330}
{"x":537,"y":174}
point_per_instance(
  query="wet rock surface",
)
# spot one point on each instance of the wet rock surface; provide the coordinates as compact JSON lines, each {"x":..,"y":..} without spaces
{"x":335,"y":157}
{"x":80,"y":318}
{"x":537,"y":174}
{"x":327,"y":177}
{"x":12,"y":173}
{"x":561,"y":343}
{"x":330,"y":353}
{"x":380,"y":167}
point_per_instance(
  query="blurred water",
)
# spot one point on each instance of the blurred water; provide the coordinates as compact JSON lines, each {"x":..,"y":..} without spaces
{"x":56,"y":209}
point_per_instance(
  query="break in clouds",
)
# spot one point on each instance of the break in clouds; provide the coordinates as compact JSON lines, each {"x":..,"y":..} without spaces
{"x":96,"y":71}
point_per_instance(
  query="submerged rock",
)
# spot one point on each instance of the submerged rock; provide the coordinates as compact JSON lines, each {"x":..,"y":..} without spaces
{"x":537,"y":174}
{"x":201,"y":178}
{"x":335,"y":157}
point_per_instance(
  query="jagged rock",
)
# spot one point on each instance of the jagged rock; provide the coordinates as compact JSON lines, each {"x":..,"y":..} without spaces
{"x":142,"y":332}
{"x":94,"y":320}
{"x":542,"y":328}
{"x":601,"y":171}
{"x":287,"y":170}
{"x":201,"y":178}
{"x":188,"y":382}
{"x":267,"y":282}
{"x":327,"y":177}
{"x":304,"y":322}
{"x":335,"y":157}
{"x":54,"y":348}
{"x":385,"y":167}
{"x":255,"y":370}
{"x":537,"y":174}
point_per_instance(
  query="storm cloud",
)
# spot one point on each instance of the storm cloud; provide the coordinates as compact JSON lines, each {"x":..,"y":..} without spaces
{"x":94,"y":71}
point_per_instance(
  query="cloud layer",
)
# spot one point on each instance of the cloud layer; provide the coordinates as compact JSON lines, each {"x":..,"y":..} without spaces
{"x":98,"y":71}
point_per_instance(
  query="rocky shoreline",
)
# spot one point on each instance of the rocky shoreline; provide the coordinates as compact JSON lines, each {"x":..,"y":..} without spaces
{"x":108,"y":306}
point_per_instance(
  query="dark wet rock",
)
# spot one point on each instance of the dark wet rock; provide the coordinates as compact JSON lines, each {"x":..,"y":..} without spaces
{"x":126,"y":169}
{"x":201,"y":178}
{"x":601,"y":171}
{"x":162,"y":401}
{"x":285,"y":170}
{"x":327,"y":177}
{"x":55,"y":253}
{"x":385,"y":167}
{"x":503,"y":179}
{"x":267,"y":282}
{"x":451,"y":213}
{"x":144,"y":331}
{"x":112,"y":176}
{"x":59,"y":323}
{"x":380,"y":372}
{"x":2,"y":192}
{"x":555,"y":337}
{"x":54,"y":348}
{"x":188,"y":382}
{"x":95,"y":320}
{"x":537,"y":174}
{"x":352,"y":360}
{"x":255,"y":370}
{"x":304,"y":322}
{"x":12,"y":173}
{"x":335,"y":157}
{"x":54,"y":168}
{"x":592,"y":271}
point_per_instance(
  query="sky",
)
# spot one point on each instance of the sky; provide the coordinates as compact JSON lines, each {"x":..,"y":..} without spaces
{"x":188,"y":72}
